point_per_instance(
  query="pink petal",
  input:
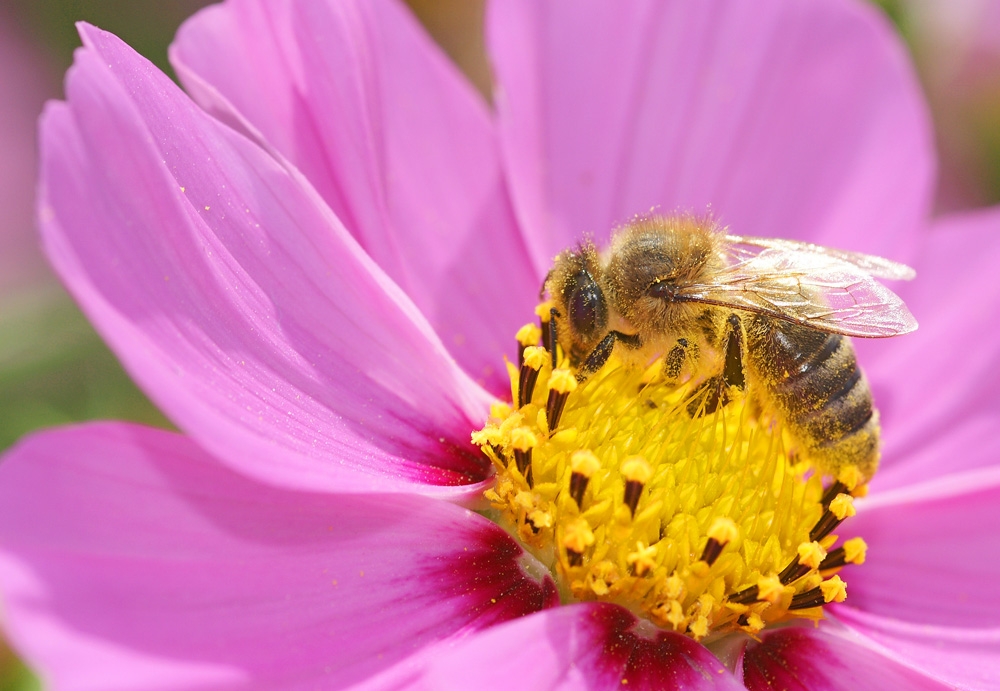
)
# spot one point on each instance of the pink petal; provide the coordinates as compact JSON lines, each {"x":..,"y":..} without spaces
{"x":393,"y":138}
{"x":236,"y":299}
{"x":938,"y":389}
{"x":787,"y":118}
{"x":801,"y":659}
{"x":588,"y":646}
{"x":931,"y":552}
{"x":128,"y":558}
{"x":961,"y":658}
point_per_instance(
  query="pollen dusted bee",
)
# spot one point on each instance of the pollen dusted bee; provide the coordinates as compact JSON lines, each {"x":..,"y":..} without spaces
{"x":740,"y":312}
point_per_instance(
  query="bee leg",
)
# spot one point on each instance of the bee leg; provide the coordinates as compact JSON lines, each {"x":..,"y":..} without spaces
{"x":673,"y":364}
{"x":732,"y":370}
{"x":600,"y":354}
{"x":713,"y":392}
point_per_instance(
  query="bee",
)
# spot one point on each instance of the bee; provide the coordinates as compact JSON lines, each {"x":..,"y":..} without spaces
{"x":769,"y":316}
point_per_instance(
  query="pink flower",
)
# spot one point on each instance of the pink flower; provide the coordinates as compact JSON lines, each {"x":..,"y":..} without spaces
{"x":316,"y":272}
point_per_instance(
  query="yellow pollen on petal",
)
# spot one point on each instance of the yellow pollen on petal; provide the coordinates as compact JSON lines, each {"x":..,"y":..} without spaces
{"x":630,"y":493}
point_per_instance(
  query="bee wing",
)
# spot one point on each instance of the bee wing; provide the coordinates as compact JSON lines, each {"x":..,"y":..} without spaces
{"x":816,"y":289}
{"x":869,"y":263}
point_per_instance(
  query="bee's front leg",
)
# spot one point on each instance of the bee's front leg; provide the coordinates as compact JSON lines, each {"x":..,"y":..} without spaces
{"x":713,"y":392}
{"x":600,"y":354}
{"x":683,"y":353}
{"x":732,"y":369}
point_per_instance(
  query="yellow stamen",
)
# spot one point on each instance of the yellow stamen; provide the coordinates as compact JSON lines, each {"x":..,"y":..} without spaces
{"x":811,"y":554}
{"x":834,"y":590}
{"x":562,"y":381}
{"x":700,"y":523}
{"x":854,"y":551}
{"x":842,"y":506}
{"x":528,"y":335}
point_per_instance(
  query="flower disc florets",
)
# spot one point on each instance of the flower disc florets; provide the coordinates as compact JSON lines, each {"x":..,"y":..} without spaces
{"x":630,"y":492}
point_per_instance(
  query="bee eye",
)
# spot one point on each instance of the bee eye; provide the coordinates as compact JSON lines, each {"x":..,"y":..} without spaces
{"x":588,"y":312}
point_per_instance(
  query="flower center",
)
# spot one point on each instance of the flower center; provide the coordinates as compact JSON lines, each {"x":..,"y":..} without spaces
{"x":630,"y":492}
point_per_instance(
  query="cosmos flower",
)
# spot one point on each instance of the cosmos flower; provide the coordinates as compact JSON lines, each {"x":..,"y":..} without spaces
{"x":317,"y":270}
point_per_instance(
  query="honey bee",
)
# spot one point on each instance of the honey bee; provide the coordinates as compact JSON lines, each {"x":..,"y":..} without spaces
{"x":766,"y":315}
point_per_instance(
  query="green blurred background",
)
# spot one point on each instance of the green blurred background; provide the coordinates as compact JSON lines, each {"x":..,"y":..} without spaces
{"x":54,"y":369}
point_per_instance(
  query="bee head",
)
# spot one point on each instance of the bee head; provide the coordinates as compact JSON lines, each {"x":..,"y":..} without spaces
{"x":574,"y":286}
{"x":653,"y":260}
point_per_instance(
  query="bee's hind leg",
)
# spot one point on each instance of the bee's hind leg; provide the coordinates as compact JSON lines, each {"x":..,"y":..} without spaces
{"x":713,"y":392}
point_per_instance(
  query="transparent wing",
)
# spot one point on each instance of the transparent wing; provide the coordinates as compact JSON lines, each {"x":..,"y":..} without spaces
{"x":810,"y":285}
{"x":878,"y":267}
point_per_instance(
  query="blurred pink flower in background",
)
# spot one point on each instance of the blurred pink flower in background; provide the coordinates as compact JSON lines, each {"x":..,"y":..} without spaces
{"x":956,"y":44}
{"x":26,"y":80}
{"x":316,"y":271}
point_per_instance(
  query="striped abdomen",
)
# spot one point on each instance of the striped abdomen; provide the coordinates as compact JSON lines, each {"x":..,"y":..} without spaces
{"x":812,"y":380}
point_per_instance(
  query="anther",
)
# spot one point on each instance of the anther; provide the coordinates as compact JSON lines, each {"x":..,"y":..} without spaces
{"x":534,"y":358}
{"x":583,"y":464}
{"x":527,"y":336}
{"x":832,"y":590}
{"x":546,"y":314}
{"x":852,"y":478}
{"x":810,"y":556}
{"x":721,"y":533}
{"x":643,"y":559}
{"x":561,"y":384}
{"x":768,"y":589}
{"x":636,"y":472}
{"x":841,"y":507}
{"x":576,"y":539}
{"x":851,"y":552}
{"x":523,"y":440}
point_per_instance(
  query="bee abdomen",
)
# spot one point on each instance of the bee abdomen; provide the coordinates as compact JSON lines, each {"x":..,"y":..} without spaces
{"x":815,"y":383}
